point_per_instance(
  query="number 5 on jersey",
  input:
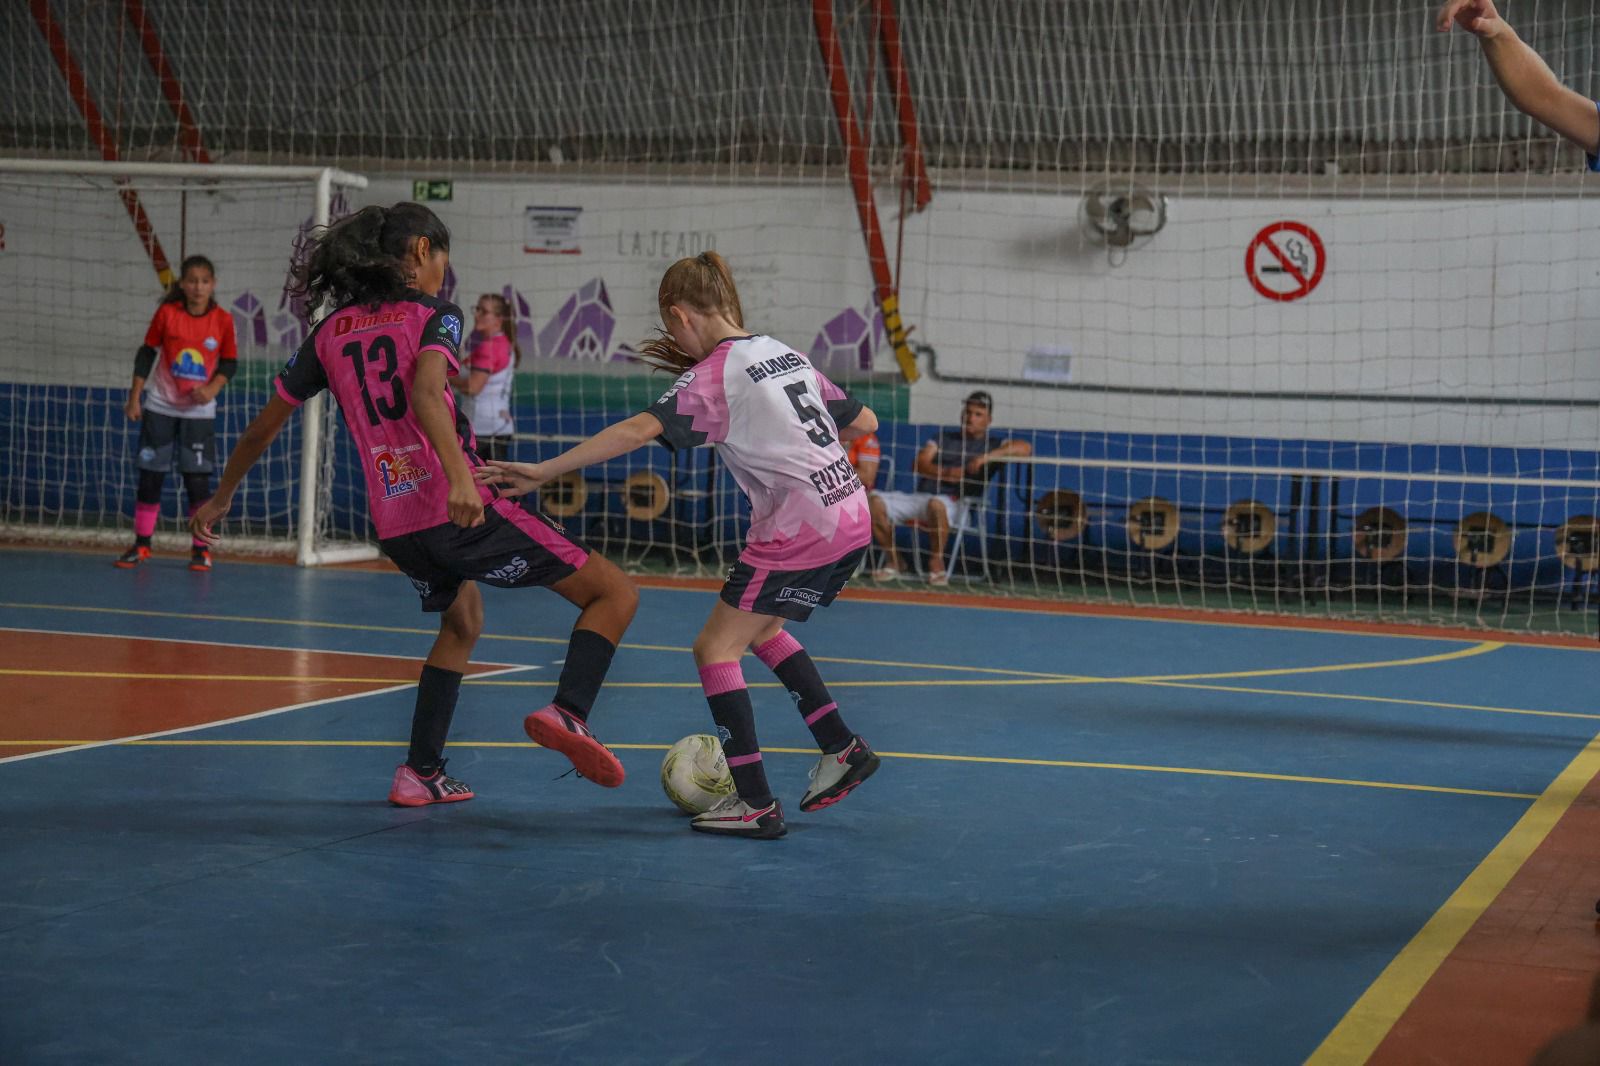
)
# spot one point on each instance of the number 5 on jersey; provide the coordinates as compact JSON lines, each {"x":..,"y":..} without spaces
{"x":816,"y":426}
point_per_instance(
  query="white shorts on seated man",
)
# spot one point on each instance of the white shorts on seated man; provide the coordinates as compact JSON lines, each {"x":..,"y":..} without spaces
{"x":953,"y":469}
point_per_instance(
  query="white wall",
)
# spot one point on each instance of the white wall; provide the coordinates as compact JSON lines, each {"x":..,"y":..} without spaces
{"x":1419,"y":296}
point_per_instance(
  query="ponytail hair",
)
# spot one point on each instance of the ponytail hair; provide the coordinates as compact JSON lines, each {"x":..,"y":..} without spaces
{"x":174,"y":292}
{"x":703,"y":283}
{"x":361,"y":258}
{"x":508,"y":323}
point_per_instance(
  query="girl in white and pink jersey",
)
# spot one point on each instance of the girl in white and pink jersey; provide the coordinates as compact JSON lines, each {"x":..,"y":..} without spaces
{"x":385,"y":352}
{"x":777,"y":423}
{"x":485,"y":385}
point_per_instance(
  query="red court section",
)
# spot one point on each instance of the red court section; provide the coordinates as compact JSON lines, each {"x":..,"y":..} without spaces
{"x":1523,"y":971}
{"x":64,"y":689}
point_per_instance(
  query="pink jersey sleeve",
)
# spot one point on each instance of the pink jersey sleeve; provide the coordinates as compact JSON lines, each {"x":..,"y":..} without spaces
{"x":695,"y":410}
{"x":492,"y":354}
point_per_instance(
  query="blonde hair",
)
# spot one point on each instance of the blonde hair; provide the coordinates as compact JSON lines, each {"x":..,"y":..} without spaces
{"x":702,"y":283}
{"x":508,"y":323}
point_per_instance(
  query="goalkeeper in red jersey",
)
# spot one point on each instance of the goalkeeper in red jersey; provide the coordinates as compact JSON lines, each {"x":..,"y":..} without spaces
{"x":187,"y":357}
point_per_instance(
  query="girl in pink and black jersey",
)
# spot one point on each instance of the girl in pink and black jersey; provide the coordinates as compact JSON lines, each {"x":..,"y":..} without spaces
{"x":386,"y":352}
{"x":777,"y":424}
{"x":188,"y":356}
{"x":485,"y":383}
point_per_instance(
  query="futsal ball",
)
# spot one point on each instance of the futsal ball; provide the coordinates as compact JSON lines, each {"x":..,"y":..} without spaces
{"x":694,"y":775}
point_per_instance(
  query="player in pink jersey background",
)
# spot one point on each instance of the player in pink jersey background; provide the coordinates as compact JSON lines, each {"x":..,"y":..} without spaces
{"x":485,"y":385}
{"x":777,"y":423}
{"x":385,"y":353}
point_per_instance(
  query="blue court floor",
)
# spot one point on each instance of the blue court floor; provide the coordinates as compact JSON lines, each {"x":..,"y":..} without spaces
{"x":1093,"y":840}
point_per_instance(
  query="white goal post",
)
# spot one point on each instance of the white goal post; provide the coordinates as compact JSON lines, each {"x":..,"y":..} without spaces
{"x":81,"y":247}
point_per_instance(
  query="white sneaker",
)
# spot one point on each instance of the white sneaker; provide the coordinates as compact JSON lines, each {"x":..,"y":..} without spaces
{"x":732,"y":816}
{"x":836,"y":775}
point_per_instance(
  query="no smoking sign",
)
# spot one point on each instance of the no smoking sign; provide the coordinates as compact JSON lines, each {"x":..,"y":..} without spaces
{"x":1285,"y":261}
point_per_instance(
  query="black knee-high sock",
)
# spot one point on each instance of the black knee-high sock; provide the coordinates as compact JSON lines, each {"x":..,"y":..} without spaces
{"x":588,"y":658}
{"x":430,"y":724}
{"x":788,"y":660}
{"x":736,"y":723}
{"x":198,"y":488}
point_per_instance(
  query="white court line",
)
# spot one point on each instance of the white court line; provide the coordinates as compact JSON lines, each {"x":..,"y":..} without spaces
{"x":241,"y":644}
{"x":231,"y":721}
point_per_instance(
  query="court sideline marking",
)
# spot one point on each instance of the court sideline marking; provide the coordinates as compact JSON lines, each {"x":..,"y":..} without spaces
{"x":83,"y":745}
{"x":1173,"y":681}
{"x":1369,"y":1020}
{"x":157,"y":740}
{"x":1479,"y":648}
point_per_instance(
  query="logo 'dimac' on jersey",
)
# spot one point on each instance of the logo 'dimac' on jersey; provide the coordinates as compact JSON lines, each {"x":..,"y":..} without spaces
{"x":400,"y":476}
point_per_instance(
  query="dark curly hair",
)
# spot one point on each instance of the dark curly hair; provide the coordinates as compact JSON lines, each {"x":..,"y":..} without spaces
{"x":361,"y":258}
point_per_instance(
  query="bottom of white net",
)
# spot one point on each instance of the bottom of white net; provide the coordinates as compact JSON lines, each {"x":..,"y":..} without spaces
{"x":323,"y":555}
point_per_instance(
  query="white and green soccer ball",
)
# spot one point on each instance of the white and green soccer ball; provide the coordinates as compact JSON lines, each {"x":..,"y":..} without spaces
{"x":695,"y":775}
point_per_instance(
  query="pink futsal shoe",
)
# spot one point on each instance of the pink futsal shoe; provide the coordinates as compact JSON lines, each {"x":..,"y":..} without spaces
{"x":411,"y":789}
{"x":553,"y":728}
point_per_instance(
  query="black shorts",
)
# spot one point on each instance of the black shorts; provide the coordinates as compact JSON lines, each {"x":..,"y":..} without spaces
{"x":513,"y":549}
{"x":494,"y":449}
{"x":194,"y":438}
{"x":791,"y":594}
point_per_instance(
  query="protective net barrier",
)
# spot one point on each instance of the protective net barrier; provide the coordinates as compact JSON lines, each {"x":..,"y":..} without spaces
{"x":1279,"y":305}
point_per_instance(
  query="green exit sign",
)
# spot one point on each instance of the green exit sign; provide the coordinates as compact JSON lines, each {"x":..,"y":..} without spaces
{"x":423,"y":191}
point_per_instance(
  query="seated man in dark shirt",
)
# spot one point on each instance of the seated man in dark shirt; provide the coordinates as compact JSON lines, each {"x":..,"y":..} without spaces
{"x":952,"y":470}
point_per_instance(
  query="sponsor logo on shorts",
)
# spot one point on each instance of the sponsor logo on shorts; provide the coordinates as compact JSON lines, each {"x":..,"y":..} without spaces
{"x":515,"y":570}
{"x":423,"y":588}
{"x":810,"y":597}
{"x":146,"y":455}
{"x":400,"y":476}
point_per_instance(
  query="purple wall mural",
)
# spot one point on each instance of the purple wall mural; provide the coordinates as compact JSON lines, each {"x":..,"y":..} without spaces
{"x":582,"y":328}
{"x":848,"y":342}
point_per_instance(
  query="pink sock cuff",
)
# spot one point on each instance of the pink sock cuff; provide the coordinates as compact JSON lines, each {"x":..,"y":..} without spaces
{"x":144,"y":518}
{"x":721,"y":677}
{"x":777,"y":649}
{"x":743,"y":760}
{"x":821,"y":712}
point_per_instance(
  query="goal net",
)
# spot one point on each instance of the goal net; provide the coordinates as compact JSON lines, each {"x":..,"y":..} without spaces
{"x":1282,"y":304}
{"x":85,"y":246}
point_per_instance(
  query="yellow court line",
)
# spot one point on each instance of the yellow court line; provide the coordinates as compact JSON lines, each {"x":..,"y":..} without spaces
{"x":1480,"y":648}
{"x":411,"y":631}
{"x":1365,"y":1025}
{"x":1368,"y":699}
{"x":1474,"y":649}
{"x":991,"y":760}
